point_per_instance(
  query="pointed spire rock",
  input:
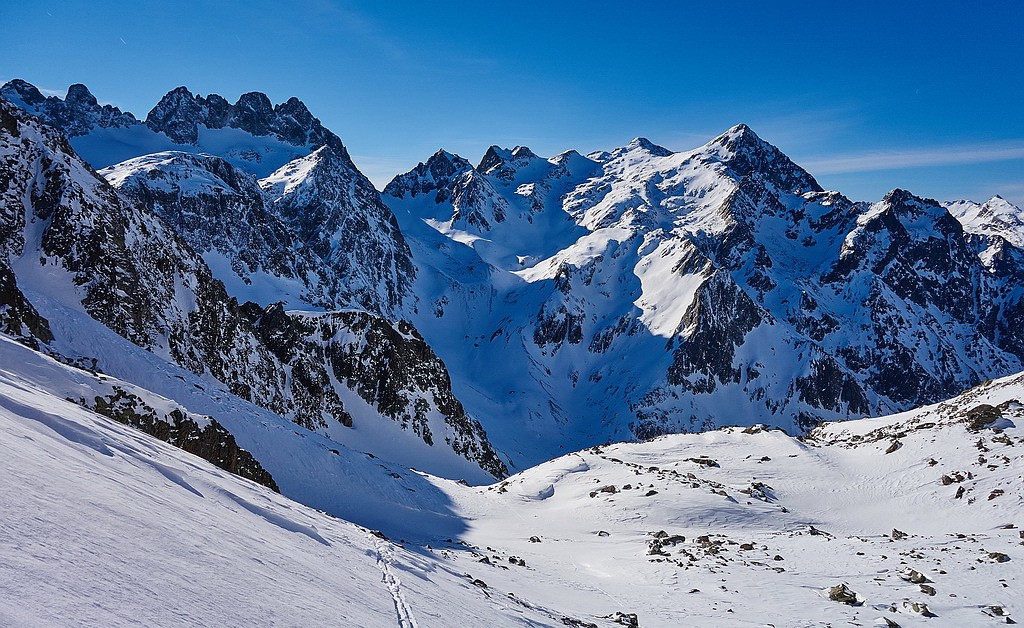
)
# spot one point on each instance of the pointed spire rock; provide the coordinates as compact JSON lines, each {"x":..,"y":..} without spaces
{"x":254,"y":113}
{"x":177,"y":115}
{"x":80,"y":94}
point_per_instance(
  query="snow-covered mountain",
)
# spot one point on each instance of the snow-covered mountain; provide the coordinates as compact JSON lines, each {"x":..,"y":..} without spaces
{"x":570,"y":300}
{"x":227,"y":316}
{"x":78,"y":256}
{"x":647,"y":291}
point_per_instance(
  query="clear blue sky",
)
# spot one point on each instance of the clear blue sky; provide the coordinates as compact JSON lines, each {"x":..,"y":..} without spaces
{"x":867,"y":95}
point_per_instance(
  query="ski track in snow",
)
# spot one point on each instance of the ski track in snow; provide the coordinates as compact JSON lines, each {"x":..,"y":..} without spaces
{"x":385,"y":556}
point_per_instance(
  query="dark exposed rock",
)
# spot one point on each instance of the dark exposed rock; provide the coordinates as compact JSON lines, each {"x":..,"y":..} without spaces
{"x":844,"y":595}
{"x":179,"y":114}
{"x":629,"y":620}
{"x":913,"y":576}
{"x":981,"y":416}
{"x":17,"y":316}
{"x":211,"y":442}
{"x":388,"y":365}
{"x":75,"y":115}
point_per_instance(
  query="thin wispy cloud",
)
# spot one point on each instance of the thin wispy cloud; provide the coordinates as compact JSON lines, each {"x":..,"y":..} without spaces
{"x":916,"y":157}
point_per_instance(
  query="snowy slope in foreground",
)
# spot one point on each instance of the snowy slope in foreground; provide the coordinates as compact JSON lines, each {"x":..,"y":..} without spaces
{"x":739,"y":527}
{"x":104,"y":526}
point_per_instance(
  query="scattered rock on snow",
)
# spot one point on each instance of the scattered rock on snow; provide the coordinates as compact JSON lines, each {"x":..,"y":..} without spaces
{"x":844,"y":595}
{"x":914,"y":576}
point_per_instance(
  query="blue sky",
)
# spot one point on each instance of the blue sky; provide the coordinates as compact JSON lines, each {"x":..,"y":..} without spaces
{"x":867,"y":95}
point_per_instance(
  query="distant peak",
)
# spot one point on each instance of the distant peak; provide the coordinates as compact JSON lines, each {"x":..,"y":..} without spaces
{"x":642,"y":143}
{"x":431,"y":176}
{"x":443,"y":164}
{"x":255,"y":101}
{"x":636,"y":144}
{"x":738,"y":136}
{"x":20,"y":84}
{"x":178,"y":92}
{"x":295,"y":108}
{"x":441,"y":154}
{"x":79,"y":93}
{"x":741,"y":129}
{"x":493,"y":158}
{"x":898,"y":195}
{"x":567,"y":156}
{"x":522,"y":152}
{"x":24,"y":91}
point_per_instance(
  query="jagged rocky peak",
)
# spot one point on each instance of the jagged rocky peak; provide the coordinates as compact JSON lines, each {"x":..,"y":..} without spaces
{"x":437,"y":174}
{"x":215,"y":207}
{"x":79,"y":94}
{"x":22,"y":92}
{"x":443,"y":164}
{"x":493,"y":158}
{"x":179,"y":114}
{"x":75,"y":114}
{"x":907,"y":207}
{"x":743,"y":152}
{"x":253,"y":113}
{"x":504,"y":164}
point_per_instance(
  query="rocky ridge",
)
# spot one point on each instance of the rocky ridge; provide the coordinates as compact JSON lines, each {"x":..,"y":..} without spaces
{"x":72,"y":237}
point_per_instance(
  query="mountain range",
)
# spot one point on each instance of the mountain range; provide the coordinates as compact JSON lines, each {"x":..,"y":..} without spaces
{"x":223,"y":278}
{"x":559,"y":302}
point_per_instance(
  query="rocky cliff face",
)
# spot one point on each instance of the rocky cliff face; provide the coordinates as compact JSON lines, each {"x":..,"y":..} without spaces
{"x":73,"y":237}
{"x":18,"y":318}
{"x":180,"y":115}
{"x":349,"y":360}
{"x":217,"y":209}
{"x":336,"y":213}
{"x":200,"y":436}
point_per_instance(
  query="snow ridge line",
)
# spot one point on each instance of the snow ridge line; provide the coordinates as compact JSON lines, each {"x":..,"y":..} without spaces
{"x":394,"y":585}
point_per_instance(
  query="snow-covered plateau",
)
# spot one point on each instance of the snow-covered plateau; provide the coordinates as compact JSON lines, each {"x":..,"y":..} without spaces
{"x":239,"y":385}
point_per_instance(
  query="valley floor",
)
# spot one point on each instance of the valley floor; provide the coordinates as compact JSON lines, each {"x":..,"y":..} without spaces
{"x":103,"y":525}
